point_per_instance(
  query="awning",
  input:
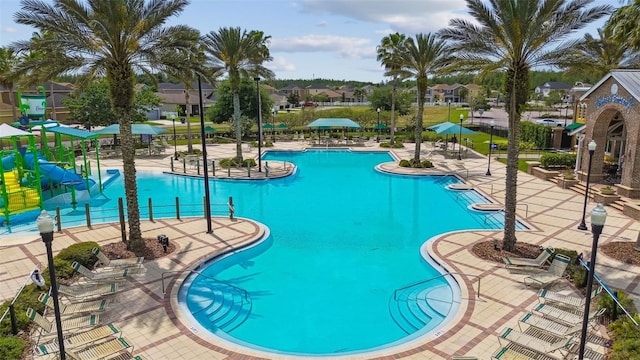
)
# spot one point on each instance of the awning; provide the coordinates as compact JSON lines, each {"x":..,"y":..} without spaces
{"x":69,"y":131}
{"x":577,"y":129}
{"x":573,"y":126}
{"x":334,"y":122}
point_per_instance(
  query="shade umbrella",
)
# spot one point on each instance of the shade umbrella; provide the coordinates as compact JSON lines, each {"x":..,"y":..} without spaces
{"x":380,"y":126}
{"x":136,"y":129}
{"x":209,"y":129}
{"x":449,"y":128}
{"x":7,"y":131}
{"x":282,"y":126}
{"x":267,"y":126}
{"x":334,"y":122}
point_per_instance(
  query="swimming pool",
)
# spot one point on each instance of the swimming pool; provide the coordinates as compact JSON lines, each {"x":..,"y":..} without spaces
{"x":344,"y":237}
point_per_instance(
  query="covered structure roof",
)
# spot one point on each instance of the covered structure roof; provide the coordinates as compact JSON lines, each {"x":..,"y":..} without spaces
{"x":334,"y":122}
{"x":630,"y":79}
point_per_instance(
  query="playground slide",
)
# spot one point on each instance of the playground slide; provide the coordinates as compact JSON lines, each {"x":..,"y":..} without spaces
{"x":65,"y":177}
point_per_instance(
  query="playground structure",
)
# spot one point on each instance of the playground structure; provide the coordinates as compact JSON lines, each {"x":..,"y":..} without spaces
{"x":48,"y":177}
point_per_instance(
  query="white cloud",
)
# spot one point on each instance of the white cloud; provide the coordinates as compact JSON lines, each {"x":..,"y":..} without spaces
{"x":9,"y":29}
{"x":408,"y":16}
{"x":280,"y":63}
{"x":385,"y":32}
{"x":342,"y":46}
{"x":322,"y":23}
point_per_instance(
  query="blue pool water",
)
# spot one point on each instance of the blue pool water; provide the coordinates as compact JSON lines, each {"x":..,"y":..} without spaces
{"x":343,"y":238}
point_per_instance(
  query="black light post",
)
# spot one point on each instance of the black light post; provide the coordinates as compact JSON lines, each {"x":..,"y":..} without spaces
{"x":273,"y":125}
{"x":592,"y":149}
{"x":45,"y":226}
{"x":598,"y":218}
{"x":257,"y":79}
{"x":490,"y":147}
{"x":205,"y":168}
{"x":449,"y":103}
{"x":566,"y":114}
{"x":460,"y":138}
{"x":175,"y":147}
{"x":378,"y":126}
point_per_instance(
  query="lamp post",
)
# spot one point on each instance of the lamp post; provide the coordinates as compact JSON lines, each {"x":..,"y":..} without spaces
{"x":257,"y":79}
{"x":598,"y":218}
{"x":592,"y":149}
{"x":449,"y":117}
{"x":378,"y":126}
{"x":460,"y":138}
{"x":566,"y":114}
{"x":45,"y":226}
{"x":273,"y":125}
{"x":492,"y":124}
{"x":175,"y":147}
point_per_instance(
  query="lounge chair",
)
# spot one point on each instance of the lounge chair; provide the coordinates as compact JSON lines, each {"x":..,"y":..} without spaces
{"x":573,"y":302}
{"x":79,"y":339}
{"x":515,"y":352}
{"x":553,"y":274}
{"x":523,"y":262}
{"x":94,"y":306}
{"x":534,"y":343}
{"x":104,"y":275}
{"x":106,"y":262}
{"x":563,"y":316}
{"x":67,"y":324}
{"x":549,"y":326}
{"x":101,"y":351}
{"x":88,"y":291}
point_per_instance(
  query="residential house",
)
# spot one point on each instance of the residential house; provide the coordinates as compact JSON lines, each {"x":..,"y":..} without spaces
{"x":429,"y":99}
{"x":173,"y":95}
{"x":546,"y":88}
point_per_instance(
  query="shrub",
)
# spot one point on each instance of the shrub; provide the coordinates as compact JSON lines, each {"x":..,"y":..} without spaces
{"x":11,"y":348}
{"x":575,"y":272}
{"x":228,"y":162}
{"x":249,"y":162}
{"x":426,"y":164}
{"x":625,"y":335}
{"x":548,"y":160}
{"x":405,"y":163}
{"x":28,"y":298}
{"x":81,"y":253}
{"x":606,"y":302}
{"x":418,"y":165}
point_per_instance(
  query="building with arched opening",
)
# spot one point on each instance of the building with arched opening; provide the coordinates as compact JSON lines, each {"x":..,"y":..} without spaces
{"x":612,"y":119}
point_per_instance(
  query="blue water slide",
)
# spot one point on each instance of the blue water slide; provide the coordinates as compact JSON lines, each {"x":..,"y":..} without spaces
{"x":58,"y":175}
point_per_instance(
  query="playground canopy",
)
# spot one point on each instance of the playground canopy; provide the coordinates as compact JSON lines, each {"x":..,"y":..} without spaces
{"x":7,"y":131}
{"x":333,"y":122}
{"x":136,"y":129}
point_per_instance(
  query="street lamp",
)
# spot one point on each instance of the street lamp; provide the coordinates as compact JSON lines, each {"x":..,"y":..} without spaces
{"x":378,"y":110}
{"x":592,"y":149}
{"x":598,"y":218}
{"x":257,"y":79}
{"x":460,"y":138}
{"x":175,"y":147}
{"x":492,"y":123}
{"x":273,"y":125}
{"x":45,"y":226}
{"x":449,"y":117}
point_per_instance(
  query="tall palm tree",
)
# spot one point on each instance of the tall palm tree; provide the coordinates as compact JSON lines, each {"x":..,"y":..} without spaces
{"x":601,"y":55}
{"x":624,"y":24}
{"x":390,"y":52}
{"x":424,"y":55}
{"x":516,"y":35}
{"x":114,"y":39}
{"x":8,"y":77}
{"x":241,"y":54}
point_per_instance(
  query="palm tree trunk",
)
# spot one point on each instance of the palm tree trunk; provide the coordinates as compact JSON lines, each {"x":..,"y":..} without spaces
{"x":12,"y":102}
{"x":53,"y":102}
{"x":187,"y":110}
{"x":422,"y":87}
{"x":120,"y":78}
{"x":393,"y":108}
{"x":517,"y":83}
{"x":238,"y":124}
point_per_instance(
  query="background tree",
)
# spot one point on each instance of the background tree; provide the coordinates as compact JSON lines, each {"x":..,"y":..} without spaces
{"x":8,"y":77}
{"x":222,"y":110}
{"x":554,"y":98}
{"x":624,"y":25}
{"x":516,"y":35}
{"x":112,"y":38}
{"x":359,"y":94}
{"x":391,"y":50}
{"x":464,"y":93}
{"x":241,"y":55}
{"x":383,"y":98}
{"x":293,"y":99}
{"x":426,"y":54}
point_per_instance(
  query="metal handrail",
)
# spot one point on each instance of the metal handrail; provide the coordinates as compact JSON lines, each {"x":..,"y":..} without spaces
{"x":395,"y":293}
{"x":246,"y":294}
{"x":493,"y":215}
{"x":526,"y":211}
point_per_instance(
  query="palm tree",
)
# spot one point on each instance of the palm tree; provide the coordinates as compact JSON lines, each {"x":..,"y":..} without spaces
{"x":516,"y":35}
{"x":8,"y":77}
{"x":390,"y":53}
{"x":600,"y":56}
{"x":427,"y":54}
{"x":624,"y":24}
{"x":241,"y":55}
{"x":114,"y":39}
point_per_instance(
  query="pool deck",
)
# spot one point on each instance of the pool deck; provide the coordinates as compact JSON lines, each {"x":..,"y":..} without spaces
{"x":150,"y":321}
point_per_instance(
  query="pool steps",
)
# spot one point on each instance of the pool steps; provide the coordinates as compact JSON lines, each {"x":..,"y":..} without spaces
{"x":225,"y":306}
{"x":419,"y":305}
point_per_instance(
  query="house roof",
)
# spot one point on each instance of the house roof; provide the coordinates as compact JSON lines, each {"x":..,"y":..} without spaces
{"x":292,"y":87}
{"x":317,"y":86}
{"x":178,"y":98}
{"x":629,"y":79}
{"x":180,"y":86}
{"x":555,"y":85}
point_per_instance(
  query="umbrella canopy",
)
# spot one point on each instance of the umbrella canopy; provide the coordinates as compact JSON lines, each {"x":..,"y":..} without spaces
{"x":380,"y":126}
{"x":282,"y":126}
{"x":7,"y":131}
{"x":136,"y":129}
{"x":209,"y":129}
{"x":267,"y":126}
{"x":448,"y":128}
{"x":334,"y":122}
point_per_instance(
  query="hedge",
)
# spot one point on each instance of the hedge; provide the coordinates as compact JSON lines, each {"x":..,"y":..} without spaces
{"x":565,"y":160}
{"x":537,"y":134}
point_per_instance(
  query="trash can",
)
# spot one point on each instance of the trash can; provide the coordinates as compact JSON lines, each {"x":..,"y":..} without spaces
{"x":183,"y":120}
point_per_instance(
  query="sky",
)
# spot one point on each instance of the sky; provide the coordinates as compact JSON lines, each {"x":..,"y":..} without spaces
{"x":310,"y":39}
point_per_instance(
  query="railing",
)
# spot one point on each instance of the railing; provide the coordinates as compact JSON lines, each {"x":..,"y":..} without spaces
{"x":10,"y":310}
{"x":243,"y":291}
{"x":395,"y":293}
{"x":493,"y":215}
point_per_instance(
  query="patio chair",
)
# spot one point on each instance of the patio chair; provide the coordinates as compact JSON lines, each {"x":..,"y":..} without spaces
{"x":515,"y":352}
{"x":94,"y":306}
{"x":101,"y":351}
{"x":106,"y":262}
{"x":67,"y":324}
{"x":537,"y":262}
{"x":535,"y":343}
{"x":88,"y":291}
{"x":549,"y":326}
{"x":105,"y":276}
{"x":563,"y":316}
{"x":570,"y":301}
{"x":553,"y":274}
{"x":77,"y":340}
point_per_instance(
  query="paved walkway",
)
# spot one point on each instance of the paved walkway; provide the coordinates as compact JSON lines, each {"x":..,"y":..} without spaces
{"x":150,"y":321}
